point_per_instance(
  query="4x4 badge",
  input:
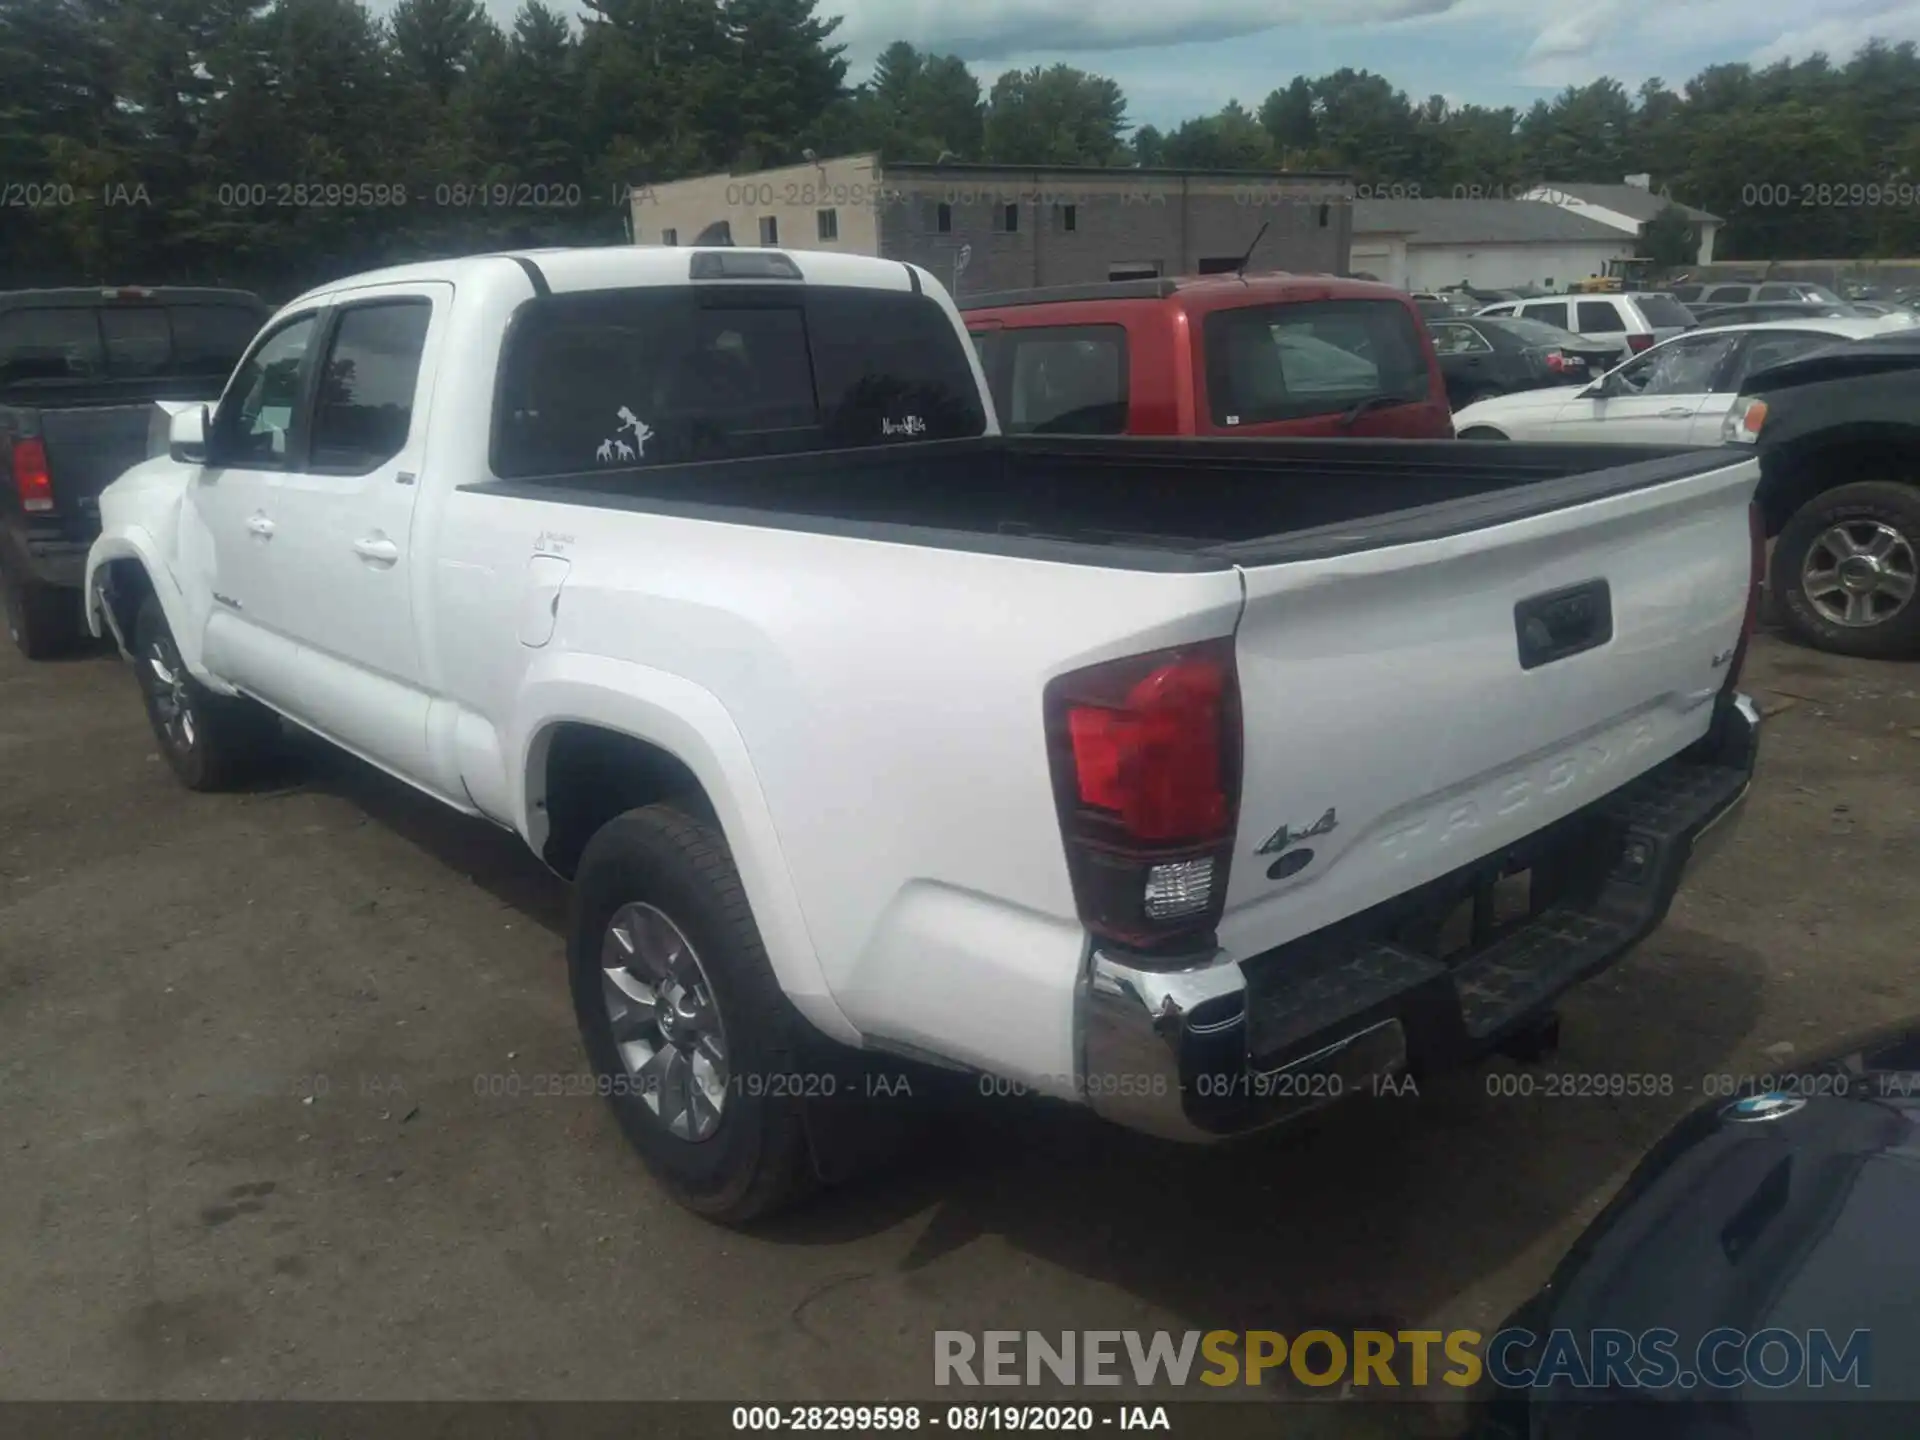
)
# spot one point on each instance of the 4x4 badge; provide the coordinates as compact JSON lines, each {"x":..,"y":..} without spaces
{"x":1286,"y":835}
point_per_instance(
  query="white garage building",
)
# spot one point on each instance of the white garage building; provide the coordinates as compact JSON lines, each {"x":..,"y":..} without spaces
{"x":1489,"y":244}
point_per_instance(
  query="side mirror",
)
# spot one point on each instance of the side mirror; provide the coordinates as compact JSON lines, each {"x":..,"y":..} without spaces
{"x":187,"y":436}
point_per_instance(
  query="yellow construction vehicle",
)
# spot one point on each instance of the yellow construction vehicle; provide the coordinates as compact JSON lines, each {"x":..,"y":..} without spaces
{"x":1629,"y":274}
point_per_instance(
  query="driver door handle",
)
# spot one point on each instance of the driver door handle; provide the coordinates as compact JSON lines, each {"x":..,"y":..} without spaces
{"x":260,"y":525}
{"x":378,"y":549}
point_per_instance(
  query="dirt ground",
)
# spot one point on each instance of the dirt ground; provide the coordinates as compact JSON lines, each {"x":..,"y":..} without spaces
{"x":250,"y":1148}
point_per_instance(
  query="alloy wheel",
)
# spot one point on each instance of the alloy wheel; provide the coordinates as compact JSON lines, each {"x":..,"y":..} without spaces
{"x":1859,"y":573}
{"x":666,"y":1021}
{"x":166,"y":685}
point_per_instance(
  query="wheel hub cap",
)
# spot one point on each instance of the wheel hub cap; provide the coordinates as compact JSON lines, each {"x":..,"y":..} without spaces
{"x":666,"y":1021}
{"x":1859,"y":573}
{"x":167,"y":685}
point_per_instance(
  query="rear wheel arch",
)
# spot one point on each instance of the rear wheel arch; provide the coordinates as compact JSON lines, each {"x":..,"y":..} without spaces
{"x":582,"y":774}
{"x":1802,"y":471}
{"x":125,"y":582}
{"x":655,"y":738}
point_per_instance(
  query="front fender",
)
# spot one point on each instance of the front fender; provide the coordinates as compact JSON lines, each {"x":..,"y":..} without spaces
{"x":691,"y":724}
{"x":142,"y":518}
{"x":138,"y":547}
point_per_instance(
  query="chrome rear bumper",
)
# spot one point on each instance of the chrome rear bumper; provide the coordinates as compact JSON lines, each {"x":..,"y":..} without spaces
{"x":1218,"y":1047}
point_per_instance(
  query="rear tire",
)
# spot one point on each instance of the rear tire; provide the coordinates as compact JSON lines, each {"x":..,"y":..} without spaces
{"x":212,"y":742}
{"x":1844,"y":571}
{"x":42,"y":622}
{"x":1480,"y":432}
{"x":661,"y":927}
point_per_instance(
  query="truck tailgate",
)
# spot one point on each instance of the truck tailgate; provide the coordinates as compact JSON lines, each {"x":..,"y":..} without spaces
{"x":89,"y":447}
{"x":1413,"y":708}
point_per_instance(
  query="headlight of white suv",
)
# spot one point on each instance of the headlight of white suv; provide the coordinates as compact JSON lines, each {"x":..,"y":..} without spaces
{"x":1743,"y":422}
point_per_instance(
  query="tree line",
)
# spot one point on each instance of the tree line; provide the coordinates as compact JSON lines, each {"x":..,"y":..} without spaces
{"x":278,"y":143}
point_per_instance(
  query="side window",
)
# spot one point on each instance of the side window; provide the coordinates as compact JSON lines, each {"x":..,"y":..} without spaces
{"x":1685,"y":293}
{"x":1599,"y":317}
{"x":139,"y":344}
{"x":1552,"y":312}
{"x":1777,"y":292}
{"x":255,"y":419}
{"x":1061,"y":380}
{"x":1458,"y":340}
{"x":1728,"y":294}
{"x":364,"y":408}
{"x":1764,"y":350}
{"x":1687,"y":366}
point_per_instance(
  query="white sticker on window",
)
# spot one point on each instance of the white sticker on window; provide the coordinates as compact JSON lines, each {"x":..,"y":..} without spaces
{"x":614,"y":448}
{"x":912,"y":425}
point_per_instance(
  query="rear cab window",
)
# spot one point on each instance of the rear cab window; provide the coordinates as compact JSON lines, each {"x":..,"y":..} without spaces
{"x":1267,"y":363}
{"x":1057,"y":379}
{"x":188,"y":339}
{"x":678,"y":374}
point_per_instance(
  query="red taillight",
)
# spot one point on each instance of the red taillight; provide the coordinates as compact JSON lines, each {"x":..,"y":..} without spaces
{"x":30,"y":476}
{"x":1756,"y":584}
{"x":1146,"y":766}
{"x":1638,"y":343}
{"x":1154,"y":762}
{"x":1556,"y":362}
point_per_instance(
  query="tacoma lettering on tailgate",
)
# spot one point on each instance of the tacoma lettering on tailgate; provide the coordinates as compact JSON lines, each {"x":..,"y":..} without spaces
{"x":1445,"y":822}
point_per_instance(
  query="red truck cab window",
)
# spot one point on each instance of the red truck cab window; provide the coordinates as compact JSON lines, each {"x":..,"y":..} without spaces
{"x":1269,"y":355}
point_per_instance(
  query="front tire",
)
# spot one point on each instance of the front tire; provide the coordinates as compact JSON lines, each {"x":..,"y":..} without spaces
{"x":42,"y":622}
{"x":1844,"y":571}
{"x":698,"y":1050}
{"x":212,"y":742}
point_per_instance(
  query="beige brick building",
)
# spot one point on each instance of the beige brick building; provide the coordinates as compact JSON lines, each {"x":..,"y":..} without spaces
{"x":988,"y":227}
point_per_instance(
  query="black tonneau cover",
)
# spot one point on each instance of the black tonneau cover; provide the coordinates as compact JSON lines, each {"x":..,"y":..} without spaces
{"x":1163,"y":504}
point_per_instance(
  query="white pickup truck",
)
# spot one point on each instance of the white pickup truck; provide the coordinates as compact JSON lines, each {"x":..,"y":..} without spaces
{"x":1197,"y":781}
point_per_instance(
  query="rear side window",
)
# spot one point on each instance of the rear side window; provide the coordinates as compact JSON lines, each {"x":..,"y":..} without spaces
{"x":50,"y":344}
{"x":1599,"y":317}
{"x":676,"y":374}
{"x":1458,"y":339}
{"x":1767,"y":350}
{"x":1684,"y":293}
{"x":1728,"y":294}
{"x":1058,"y":379}
{"x":1282,"y":362}
{"x":365,"y":406}
{"x":1776,"y":292}
{"x":1664,"y":312}
{"x":1552,"y":312}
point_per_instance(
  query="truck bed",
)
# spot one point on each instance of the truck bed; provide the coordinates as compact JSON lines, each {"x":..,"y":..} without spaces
{"x":1182,"y":504}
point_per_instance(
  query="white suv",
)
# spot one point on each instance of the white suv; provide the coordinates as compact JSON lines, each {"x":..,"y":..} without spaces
{"x":1635,"y":322}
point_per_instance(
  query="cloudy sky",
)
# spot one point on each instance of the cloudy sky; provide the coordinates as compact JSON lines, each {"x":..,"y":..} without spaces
{"x":1177,"y":58}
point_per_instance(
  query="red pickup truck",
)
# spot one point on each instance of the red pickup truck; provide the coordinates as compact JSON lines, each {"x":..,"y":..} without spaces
{"x":1300,"y":355}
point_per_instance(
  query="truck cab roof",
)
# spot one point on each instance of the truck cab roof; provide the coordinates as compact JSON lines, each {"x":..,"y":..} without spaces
{"x":1190,"y":291}
{"x":603,"y":267}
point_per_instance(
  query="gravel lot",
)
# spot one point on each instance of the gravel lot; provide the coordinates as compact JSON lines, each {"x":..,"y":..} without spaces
{"x":243,"y":1041}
